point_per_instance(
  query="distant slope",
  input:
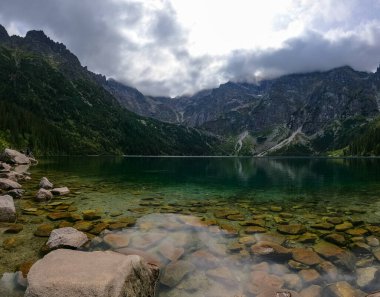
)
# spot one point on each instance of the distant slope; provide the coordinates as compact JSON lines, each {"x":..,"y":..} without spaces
{"x":49,"y":102}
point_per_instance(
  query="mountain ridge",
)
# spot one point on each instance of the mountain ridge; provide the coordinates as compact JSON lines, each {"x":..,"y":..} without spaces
{"x":54,"y":105}
{"x":323,"y":106}
{"x":316,"y":113}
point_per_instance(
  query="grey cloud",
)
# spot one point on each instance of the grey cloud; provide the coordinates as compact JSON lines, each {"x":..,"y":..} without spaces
{"x":310,"y":52}
{"x":158,"y":61}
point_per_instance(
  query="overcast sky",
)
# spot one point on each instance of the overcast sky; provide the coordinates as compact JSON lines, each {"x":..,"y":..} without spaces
{"x":175,"y":47}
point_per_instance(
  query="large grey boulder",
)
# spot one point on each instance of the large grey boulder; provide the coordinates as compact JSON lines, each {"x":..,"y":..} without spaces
{"x":16,"y":193}
{"x":68,"y":273}
{"x":67,"y":237}
{"x":7,"y":209}
{"x":7,"y":184}
{"x":43,"y":195}
{"x":45,"y":184}
{"x":4,"y":167}
{"x":14,"y":157}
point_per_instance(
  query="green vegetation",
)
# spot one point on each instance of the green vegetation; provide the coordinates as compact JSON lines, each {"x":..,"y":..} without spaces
{"x":368,"y":142}
{"x":43,"y":108}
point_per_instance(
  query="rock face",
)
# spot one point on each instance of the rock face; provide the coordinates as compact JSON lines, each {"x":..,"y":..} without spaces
{"x":45,"y":184}
{"x":66,"y":237}
{"x":14,"y":157}
{"x":7,"y":209}
{"x":67,"y":273}
{"x":7,"y":184}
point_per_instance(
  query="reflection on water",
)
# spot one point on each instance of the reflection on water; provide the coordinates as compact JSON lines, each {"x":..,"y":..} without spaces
{"x":222,"y":226}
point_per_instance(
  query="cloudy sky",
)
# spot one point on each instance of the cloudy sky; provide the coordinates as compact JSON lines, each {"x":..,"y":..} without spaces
{"x":175,"y":47}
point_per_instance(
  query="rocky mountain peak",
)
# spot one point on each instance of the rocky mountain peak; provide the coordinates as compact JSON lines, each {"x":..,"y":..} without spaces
{"x":3,"y":34}
{"x":38,"y":35}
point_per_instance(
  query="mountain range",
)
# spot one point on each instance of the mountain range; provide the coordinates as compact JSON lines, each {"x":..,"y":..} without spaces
{"x":55,"y":105}
{"x":51,"y":103}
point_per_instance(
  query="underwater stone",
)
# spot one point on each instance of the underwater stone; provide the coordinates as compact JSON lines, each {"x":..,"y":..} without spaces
{"x":310,"y":276}
{"x":117,"y":240}
{"x":340,"y":289}
{"x":175,"y":272}
{"x":14,"y":228}
{"x":293,"y":229}
{"x":336,"y":239}
{"x":343,"y":227}
{"x":305,"y":256}
{"x":311,"y":291}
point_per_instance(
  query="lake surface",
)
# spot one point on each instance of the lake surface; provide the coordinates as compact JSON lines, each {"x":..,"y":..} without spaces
{"x":207,"y":221}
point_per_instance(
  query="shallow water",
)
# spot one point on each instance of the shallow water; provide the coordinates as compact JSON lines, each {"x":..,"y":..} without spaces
{"x":199,"y":210}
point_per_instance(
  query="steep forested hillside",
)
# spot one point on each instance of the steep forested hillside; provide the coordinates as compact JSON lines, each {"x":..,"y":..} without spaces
{"x":49,"y":102}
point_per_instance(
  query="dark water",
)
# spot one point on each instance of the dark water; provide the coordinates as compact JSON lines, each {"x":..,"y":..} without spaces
{"x":175,"y":198}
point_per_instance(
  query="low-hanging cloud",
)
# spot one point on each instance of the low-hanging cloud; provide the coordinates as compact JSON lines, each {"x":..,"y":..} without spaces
{"x":145,"y":45}
{"x":310,"y":52}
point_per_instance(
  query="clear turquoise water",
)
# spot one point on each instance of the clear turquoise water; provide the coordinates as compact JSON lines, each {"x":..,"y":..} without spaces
{"x":309,"y":188}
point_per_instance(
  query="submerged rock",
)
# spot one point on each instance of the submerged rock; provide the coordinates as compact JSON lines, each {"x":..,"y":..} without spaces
{"x":311,"y":291}
{"x":366,"y":276}
{"x":14,"y":228}
{"x":271,"y":250}
{"x":45,"y":184}
{"x":44,"y":230}
{"x":323,"y":226}
{"x":175,"y":272}
{"x":310,"y":276}
{"x":339,"y":256}
{"x":336,"y":239}
{"x":223,"y":275}
{"x":293,"y":229}
{"x":343,"y":227}
{"x":328,"y":270}
{"x":7,"y":209}
{"x":341,"y":289}
{"x":91,"y":214}
{"x":305,"y":256}
{"x":96,"y":274}
{"x":262,"y":281}
{"x":117,"y":240}
{"x":66,"y":238}
{"x":150,"y":258}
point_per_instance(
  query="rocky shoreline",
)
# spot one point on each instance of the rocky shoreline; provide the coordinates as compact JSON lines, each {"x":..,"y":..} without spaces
{"x":203,"y":248}
{"x":64,"y":271}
